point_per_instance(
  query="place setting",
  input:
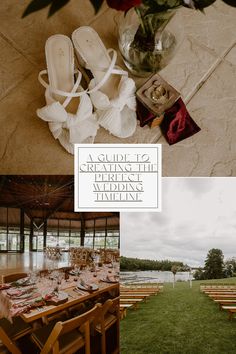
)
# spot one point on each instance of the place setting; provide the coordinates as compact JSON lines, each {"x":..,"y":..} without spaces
{"x":20,"y":293}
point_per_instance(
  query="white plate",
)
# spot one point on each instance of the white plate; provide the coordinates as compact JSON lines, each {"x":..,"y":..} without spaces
{"x":61,"y":295}
{"x":57,"y":299}
{"x":109,"y":281}
{"x":81,"y":287}
{"x":72,"y":272}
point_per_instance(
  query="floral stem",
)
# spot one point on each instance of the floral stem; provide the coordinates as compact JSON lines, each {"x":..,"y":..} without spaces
{"x":141,"y":19}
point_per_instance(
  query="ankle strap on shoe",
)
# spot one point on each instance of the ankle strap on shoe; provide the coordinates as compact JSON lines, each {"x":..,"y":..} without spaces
{"x":112,"y":69}
{"x":55,"y":91}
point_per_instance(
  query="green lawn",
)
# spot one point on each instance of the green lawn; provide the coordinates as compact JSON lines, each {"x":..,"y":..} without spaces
{"x":180,"y":320}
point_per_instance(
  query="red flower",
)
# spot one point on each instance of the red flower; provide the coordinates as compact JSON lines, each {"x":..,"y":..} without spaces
{"x":123,"y":5}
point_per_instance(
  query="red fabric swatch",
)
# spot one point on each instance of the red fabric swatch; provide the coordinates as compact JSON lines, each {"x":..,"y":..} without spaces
{"x":177,"y":123}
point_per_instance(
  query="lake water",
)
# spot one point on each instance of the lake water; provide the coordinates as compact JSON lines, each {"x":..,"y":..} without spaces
{"x":153,"y":276}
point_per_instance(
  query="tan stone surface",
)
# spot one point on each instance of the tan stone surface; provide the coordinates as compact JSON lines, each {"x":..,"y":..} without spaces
{"x":143,"y":135}
{"x":27,"y":146}
{"x":28,"y":35}
{"x":212,"y":152}
{"x":13,"y":67}
{"x":215,"y":28}
{"x":188,"y":67}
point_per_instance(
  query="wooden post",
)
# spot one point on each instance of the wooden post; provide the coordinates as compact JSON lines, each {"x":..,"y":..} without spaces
{"x":31,"y":235}
{"x":22,"y":231}
{"x":82,"y":231}
{"x":190,"y":279}
{"x":45,"y":227}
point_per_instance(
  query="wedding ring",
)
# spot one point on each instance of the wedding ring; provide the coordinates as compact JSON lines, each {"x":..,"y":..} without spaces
{"x":159,"y":95}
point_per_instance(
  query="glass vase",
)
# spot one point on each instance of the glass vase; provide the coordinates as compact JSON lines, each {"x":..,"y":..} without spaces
{"x":145,"y":40}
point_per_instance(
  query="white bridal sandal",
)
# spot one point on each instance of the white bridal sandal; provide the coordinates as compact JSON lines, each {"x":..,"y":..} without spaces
{"x":68,"y":110}
{"x":111,"y":90}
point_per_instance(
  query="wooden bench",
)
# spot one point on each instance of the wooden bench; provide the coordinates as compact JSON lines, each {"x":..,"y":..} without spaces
{"x":123,"y":309}
{"x":220,"y":289}
{"x":138,"y":292}
{"x":219,"y":296}
{"x":221,"y":293}
{"x":231,"y":311}
{"x":225,"y":302}
{"x":130,"y":301}
{"x":145,"y":291}
{"x":122,"y":312}
{"x":134,"y":300}
{"x":134,"y":296}
{"x":215,"y":286}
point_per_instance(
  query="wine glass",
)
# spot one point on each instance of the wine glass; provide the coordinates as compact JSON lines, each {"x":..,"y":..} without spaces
{"x":76,"y":271}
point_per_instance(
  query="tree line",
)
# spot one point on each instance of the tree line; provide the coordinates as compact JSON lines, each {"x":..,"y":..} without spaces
{"x":215,"y":266}
{"x":135,"y":264}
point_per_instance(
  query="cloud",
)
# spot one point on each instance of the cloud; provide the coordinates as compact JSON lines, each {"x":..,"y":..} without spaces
{"x":198,"y":214}
{"x":198,"y":186}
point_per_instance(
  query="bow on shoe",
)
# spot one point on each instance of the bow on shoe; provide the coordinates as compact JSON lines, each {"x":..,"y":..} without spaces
{"x":80,"y":126}
{"x":118,"y":114}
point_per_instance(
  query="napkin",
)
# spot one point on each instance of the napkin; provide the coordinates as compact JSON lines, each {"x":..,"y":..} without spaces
{"x":22,"y":282}
{"x":17,"y":292}
{"x":26,"y":306}
{"x":4,"y":286}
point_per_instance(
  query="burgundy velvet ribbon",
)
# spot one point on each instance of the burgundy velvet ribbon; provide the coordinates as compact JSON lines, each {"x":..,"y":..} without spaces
{"x":143,"y":114}
{"x":177,"y":123}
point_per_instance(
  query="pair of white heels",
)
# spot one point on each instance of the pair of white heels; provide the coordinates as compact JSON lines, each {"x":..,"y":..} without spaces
{"x":74,"y":114}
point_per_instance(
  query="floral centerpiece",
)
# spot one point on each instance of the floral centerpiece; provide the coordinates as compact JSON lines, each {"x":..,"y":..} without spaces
{"x":144,"y":42}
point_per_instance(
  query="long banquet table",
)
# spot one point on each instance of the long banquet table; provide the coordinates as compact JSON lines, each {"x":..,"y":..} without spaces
{"x":9,"y":306}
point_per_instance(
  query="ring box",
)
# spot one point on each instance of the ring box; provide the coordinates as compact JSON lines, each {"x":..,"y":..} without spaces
{"x":153,"y":99}
{"x":158,"y":103}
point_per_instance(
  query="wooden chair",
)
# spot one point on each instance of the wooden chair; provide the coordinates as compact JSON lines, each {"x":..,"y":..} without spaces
{"x":43,"y":273}
{"x":109,"y":315}
{"x":10,"y":332}
{"x":62,"y":315}
{"x":77,"y":310}
{"x":7,"y":345}
{"x":66,"y":269}
{"x":3,"y":349}
{"x":66,"y":337}
{"x":80,"y":256}
{"x":13,"y":277}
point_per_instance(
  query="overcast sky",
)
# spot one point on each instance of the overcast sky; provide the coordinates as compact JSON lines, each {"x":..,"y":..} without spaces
{"x":197,"y":214}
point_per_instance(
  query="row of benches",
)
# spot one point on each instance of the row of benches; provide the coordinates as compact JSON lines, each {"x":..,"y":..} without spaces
{"x":132,"y":295}
{"x":224,"y":296}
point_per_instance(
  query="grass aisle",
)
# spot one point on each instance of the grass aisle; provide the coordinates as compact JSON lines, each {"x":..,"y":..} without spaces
{"x":178,"y":321}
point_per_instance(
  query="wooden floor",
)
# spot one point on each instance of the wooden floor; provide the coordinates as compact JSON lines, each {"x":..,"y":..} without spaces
{"x":17,"y":262}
